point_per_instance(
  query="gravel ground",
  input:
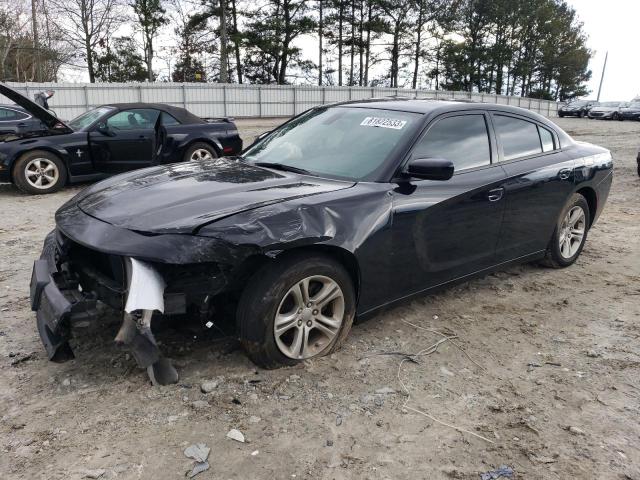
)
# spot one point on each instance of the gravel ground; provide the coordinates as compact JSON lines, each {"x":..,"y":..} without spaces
{"x":543,"y":376}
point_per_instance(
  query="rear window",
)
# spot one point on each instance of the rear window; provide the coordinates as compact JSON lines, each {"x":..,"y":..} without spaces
{"x":168,"y":119}
{"x":519,"y":138}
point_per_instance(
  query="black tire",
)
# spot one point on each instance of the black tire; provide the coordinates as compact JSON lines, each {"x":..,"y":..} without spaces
{"x":581,"y":114}
{"x":615,"y":116}
{"x":28,"y":184}
{"x":269,"y":287}
{"x":199,"y":146}
{"x":561,"y":115}
{"x":554,"y":257}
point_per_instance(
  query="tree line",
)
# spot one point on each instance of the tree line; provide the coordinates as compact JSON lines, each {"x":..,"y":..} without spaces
{"x":534,"y":48}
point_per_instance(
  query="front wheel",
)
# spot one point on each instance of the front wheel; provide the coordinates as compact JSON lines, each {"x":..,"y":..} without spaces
{"x":39,"y":172}
{"x":570,"y":233}
{"x":200,"y":151}
{"x":299,"y":308}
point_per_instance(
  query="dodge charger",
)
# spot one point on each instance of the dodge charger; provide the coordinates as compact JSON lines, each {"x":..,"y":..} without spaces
{"x":340,"y":212}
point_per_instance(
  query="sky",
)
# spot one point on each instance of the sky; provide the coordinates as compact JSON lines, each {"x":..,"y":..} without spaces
{"x":612,"y":25}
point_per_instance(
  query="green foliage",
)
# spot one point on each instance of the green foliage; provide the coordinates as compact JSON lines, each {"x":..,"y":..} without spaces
{"x":528,"y":47}
{"x":120,"y":63}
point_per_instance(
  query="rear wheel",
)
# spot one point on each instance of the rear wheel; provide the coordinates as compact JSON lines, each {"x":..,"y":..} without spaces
{"x":570,"y":233}
{"x":581,"y":114}
{"x":39,"y":172}
{"x":200,"y":151}
{"x":300,"y":308}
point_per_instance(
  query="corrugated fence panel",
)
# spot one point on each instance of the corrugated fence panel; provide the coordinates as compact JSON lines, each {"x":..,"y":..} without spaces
{"x":217,"y":100}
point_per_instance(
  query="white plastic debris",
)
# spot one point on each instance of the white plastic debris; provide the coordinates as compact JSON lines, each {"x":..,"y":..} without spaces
{"x":146,"y":288}
{"x":236,"y":435}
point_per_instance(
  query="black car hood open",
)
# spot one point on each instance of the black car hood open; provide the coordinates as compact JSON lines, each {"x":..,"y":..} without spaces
{"x":51,"y":121}
{"x":180,"y":198}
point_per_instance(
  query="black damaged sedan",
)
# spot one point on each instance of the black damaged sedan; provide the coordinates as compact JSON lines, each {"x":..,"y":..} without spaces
{"x":336,"y":214}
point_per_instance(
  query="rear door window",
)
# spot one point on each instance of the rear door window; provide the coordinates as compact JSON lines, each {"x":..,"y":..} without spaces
{"x":10,"y":115}
{"x":168,"y":119}
{"x":461,"y":139}
{"x":519,"y":138}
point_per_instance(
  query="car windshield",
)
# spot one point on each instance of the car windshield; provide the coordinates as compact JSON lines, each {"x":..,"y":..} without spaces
{"x":610,"y":104}
{"x":87,"y":118}
{"x":341,"y":142}
{"x":579,"y":103}
{"x":634,"y":105}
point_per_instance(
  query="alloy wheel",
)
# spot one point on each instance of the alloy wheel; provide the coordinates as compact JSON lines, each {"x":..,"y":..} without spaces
{"x":572,"y":232}
{"x":41,"y":173}
{"x":201,"y":154}
{"x":309,"y":317}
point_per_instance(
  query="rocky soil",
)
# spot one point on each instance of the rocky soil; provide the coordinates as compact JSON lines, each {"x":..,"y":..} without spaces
{"x":543,"y":375}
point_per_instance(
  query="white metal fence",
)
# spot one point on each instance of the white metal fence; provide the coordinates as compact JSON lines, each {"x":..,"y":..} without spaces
{"x":233,"y":100}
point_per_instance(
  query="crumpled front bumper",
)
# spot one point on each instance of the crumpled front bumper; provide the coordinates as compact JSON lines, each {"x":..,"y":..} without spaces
{"x":58,"y":301}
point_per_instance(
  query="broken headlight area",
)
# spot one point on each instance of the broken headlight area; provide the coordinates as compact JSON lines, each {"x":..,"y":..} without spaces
{"x":70,"y":279}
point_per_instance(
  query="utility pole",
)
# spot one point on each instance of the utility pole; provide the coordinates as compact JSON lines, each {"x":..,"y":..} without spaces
{"x":320,"y":32}
{"x":602,"y":77}
{"x":224,"y":53}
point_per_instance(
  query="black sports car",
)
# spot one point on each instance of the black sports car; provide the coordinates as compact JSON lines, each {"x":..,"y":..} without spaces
{"x":339,"y":212}
{"x":108,"y":139}
{"x":631,"y":111}
{"x":578,"y":108}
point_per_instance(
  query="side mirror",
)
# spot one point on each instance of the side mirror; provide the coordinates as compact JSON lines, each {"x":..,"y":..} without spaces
{"x":105,"y":130}
{"x":429,"y":168}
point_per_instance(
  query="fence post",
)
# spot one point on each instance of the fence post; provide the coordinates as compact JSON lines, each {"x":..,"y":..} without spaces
{"x":86,"y":98}
{"x":184,"y":96}
{"x":140,"y":93}
{"x":260,"y":101}
{"x":295,"y":99}
{"x":224,"y":100}
{"x":324,"y":95}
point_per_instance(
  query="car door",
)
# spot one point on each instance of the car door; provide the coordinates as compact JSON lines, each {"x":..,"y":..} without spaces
{"x":443,"y":230}
{"x":539,"y":180}
{"x":124,"y":141}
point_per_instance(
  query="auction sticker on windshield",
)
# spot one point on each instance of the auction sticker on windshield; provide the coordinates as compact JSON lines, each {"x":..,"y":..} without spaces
{"x":384,"y":122}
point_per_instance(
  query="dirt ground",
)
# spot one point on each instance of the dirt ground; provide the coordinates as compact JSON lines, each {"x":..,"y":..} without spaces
{"x":544,"y":374}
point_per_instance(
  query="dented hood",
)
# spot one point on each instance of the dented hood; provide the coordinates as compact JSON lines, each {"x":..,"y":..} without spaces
{"x":50,"y":120}
{"x":181,"y":198}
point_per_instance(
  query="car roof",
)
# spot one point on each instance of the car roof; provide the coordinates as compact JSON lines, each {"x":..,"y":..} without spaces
{"x":427,"y":106}
{"x":435,"y":107}
{"x":180,"y":114}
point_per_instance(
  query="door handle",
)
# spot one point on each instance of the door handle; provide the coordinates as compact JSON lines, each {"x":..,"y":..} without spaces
{"x":564,"y":174}
{"x":495,"y":194}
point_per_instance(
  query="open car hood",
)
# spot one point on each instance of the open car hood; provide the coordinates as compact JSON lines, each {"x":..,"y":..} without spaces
{"x":182,"y":197}
{"x":51,"y":121}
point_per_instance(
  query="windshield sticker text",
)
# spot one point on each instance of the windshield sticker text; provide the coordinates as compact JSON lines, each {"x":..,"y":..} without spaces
{"x":384,"y":122}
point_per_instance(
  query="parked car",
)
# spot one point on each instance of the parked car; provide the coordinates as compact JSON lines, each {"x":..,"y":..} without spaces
{"x":577,"y":108}
{"x":15,"y":120}
{"x":336,"y":214}
{"x":106,"y":140}
{"x":631,"y":111}
{"x":607,"y":110}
